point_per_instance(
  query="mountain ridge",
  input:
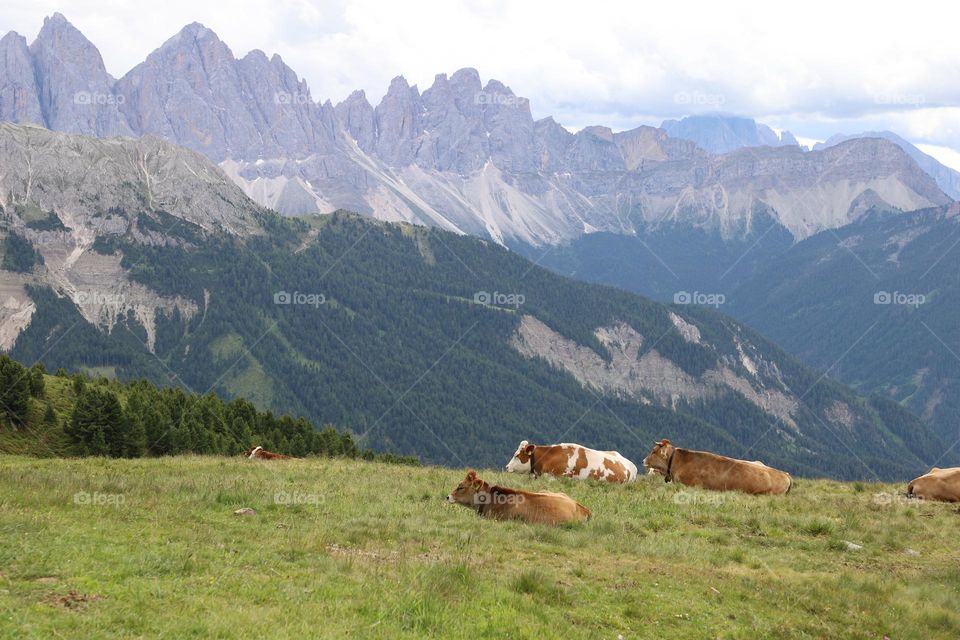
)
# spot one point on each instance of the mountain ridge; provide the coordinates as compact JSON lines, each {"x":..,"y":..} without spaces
{"x":462,"y":155}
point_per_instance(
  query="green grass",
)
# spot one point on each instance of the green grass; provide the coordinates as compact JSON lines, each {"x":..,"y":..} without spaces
{"x":343,"y":548}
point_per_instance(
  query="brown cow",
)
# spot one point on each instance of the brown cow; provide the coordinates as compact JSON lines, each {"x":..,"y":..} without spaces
{"x":569,"y":460}
{"x":259,"y":453}
{"x":942,"y":485}
{"x":711,"y":471}
{"x":501,"y":503}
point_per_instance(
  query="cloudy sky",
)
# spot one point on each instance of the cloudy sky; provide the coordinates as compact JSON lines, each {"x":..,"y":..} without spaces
{"x":815,"y":68}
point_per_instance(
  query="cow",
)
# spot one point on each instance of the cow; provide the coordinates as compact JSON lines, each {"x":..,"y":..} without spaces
{"x":942,"y":485}
{"x":712,"y":471}
{"x":501,"y":503}
{"x":259,"y":453}
{"x":571,"y":461}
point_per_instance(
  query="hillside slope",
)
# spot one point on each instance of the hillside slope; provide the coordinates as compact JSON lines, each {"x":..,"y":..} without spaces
{"x":887,"y":292}
{"x":426,"y":342}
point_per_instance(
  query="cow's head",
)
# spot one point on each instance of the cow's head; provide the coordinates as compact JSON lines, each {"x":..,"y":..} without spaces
{"x":522,"y":460}
{"x":466,"y":490}
{"x":659,"y":458}
{"x":252,"y":453}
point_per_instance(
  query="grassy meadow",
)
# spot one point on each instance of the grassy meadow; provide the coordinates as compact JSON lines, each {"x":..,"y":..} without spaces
{"x":98,"y":548}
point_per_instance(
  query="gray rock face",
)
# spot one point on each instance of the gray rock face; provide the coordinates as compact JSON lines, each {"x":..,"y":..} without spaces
{"x":100,"y":186}
{"x":19,"y":98}
{"x":723,"y":134}
{"x":75,"y":91}
{"x":462,"y":155}
{"x":398,"y":121}
{"x":947,"y":179}
{"x":355,"y":114}
{"x":194,"y":92}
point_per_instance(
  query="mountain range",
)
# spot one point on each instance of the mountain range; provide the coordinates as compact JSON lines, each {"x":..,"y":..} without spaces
{"x":136,"y":258}
{"x":462,"y":155}
{"x":123,"y":198}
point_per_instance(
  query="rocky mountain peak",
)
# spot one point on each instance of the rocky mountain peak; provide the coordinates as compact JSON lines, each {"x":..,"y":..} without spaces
{"x":19,"y":98}
{"x":398,"y":120}
{"x":74,"y":90}
{"x":355,"y":115}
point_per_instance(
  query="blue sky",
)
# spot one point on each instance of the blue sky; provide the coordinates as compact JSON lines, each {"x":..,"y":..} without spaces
{"x":815,"y":68}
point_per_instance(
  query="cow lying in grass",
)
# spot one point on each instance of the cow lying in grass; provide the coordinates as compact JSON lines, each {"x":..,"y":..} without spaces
{"x":259,"y":453}
{"x":501,"y":503}
{"x":571,"y":461}
{"x":942,"y":485}
{"x":711,"y":471}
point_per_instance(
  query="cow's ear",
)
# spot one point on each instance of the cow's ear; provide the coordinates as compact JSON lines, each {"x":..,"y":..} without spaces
{"x":528,"y":449}
{"x":477,"y":483}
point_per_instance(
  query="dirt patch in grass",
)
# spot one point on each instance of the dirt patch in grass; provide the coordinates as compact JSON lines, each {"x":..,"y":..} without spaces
{"x":72,"y":600}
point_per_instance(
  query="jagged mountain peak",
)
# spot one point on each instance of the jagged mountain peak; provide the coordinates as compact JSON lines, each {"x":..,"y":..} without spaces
{"x":463,"y":154}
{"x":398,"y":84}
{"x":74,"y":90}
{"x":58,"y":23}
{"x":197,"y":31}
{"x":12,"y":38}
{"x":59,"y":35}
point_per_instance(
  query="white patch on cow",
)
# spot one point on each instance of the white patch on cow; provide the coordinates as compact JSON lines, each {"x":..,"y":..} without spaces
{"x":595,"y":466}
{"x":253,"y":454}
{"x":515,"y":466}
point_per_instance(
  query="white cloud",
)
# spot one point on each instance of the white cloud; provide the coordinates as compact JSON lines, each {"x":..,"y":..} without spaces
{"x":815,"y":67}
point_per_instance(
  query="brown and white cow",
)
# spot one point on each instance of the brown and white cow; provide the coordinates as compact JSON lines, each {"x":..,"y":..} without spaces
{"x":259,"y":453}
{"x":571,"y":461}
{"x":712,"y":471}
{"x":942,"y":485}
{"x":502,"y":503}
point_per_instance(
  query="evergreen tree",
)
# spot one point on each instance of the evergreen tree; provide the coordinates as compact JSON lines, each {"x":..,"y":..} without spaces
{"x":14,"y":391}
{"x":37,"y":385}
{"x":98,"y":425}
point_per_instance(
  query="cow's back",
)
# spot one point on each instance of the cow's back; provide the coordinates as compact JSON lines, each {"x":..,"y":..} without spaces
{"x":942,"y":485}
{"x":720,"y":473}
{"x":541,"y":507}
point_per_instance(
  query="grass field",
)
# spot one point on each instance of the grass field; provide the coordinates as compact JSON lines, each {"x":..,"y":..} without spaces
{"x":118,"y":548}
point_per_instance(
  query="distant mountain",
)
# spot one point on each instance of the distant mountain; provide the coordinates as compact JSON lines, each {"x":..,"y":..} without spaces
{"x":136,"y":258}
{"x":462,"y":155}
{"x":723,"y":134}
{"x":883,"y":293}
{"x":947,"y":179}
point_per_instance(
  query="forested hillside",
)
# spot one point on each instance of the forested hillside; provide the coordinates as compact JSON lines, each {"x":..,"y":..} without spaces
{"x":76,"y":415}
{"x":885,"y":292}
{"x":408,"y":337}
